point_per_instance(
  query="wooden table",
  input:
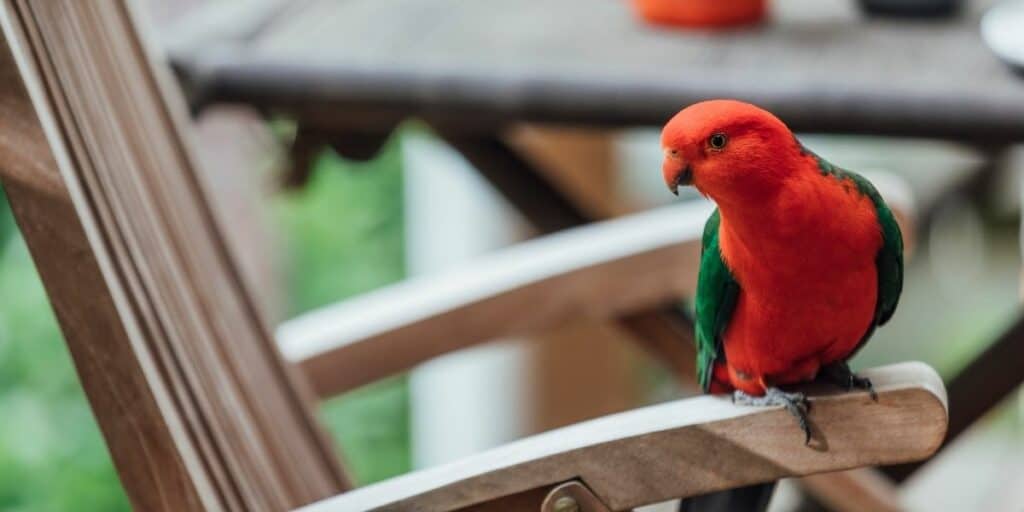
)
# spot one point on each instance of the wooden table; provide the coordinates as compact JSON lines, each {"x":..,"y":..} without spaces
{"x":367,"y":64}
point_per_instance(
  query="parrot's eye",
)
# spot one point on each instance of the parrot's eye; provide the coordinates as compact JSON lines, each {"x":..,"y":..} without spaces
{"x":717,"y":141}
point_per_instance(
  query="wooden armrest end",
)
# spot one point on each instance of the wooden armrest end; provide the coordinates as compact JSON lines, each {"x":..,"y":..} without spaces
{"x":685,"y":448}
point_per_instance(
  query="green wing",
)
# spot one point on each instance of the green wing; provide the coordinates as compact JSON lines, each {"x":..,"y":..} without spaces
{"x":889,"y":260}
{"x":7,"y":228}
{"x":717,"y":291}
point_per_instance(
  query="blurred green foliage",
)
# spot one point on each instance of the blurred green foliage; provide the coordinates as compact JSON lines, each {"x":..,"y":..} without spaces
{"x":343,"y":229}
{"x":345,"y":237}
{"x":344,"y":234}
{"x":52,"y":457}
{"x":7,"y":227}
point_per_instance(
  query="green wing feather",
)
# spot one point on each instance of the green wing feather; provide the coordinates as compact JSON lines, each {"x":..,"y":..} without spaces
{"x":889,"y":260}
{"x":717,"y":291}
{"x":7,"y":227}
{"x":890,"y":257}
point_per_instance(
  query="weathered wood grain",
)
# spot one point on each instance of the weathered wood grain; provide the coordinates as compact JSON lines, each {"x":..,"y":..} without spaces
{"x":684,"y":448}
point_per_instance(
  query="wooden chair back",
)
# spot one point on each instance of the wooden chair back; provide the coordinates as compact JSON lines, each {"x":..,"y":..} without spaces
{"x":197,"y":407}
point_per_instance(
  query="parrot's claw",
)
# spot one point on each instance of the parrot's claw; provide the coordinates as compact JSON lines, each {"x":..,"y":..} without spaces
{"x":863,"y":383}
{"x":841,"y":375}
{"x":796,"y":403}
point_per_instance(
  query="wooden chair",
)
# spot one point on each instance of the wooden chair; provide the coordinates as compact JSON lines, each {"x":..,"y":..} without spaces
{"x":199,"y":409}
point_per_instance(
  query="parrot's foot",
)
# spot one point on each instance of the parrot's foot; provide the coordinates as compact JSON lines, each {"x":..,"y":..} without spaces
{"x":842,"y":376}
{"x":796,"y":403}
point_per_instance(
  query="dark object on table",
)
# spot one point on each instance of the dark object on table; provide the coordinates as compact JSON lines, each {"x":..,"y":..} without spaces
{"x":911,"y":8}
{"x":1001,"y":28}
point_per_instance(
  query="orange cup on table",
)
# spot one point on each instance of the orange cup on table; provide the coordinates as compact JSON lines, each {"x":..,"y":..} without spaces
{"x":701,"y":13}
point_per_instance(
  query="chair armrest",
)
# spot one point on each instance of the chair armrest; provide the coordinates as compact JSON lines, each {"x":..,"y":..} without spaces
{"x":684,"y":448}
{"x":600,"y":270}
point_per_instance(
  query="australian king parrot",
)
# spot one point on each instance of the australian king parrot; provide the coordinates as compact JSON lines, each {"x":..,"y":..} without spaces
{"x":801,"y":260}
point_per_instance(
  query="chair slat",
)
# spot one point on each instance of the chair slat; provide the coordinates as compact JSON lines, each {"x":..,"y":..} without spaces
{"x":198,"y":408}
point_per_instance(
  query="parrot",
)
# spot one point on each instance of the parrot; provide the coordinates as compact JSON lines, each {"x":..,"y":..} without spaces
{"x":800,"y":261}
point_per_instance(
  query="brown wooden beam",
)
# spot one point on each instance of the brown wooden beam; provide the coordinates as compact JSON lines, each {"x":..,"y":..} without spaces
{"x":549,"y":211}
{"x":535,"y":198}
{"x":980,"y":386}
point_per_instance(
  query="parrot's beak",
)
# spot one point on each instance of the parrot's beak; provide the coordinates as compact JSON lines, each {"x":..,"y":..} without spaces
{"x":684,"y":178}
{"x":676,"y":172}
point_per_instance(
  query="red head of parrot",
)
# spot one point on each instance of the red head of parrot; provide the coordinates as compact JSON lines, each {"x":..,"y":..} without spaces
{"x":729,"y":150}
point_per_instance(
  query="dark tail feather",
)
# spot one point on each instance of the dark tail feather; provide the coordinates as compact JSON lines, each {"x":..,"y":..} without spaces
{"x":753,"y":498}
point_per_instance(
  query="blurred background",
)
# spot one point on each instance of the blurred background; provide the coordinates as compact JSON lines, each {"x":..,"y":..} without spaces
{"x":342,"y":226}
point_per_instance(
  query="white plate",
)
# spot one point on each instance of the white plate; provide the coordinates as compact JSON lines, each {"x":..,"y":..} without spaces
{"x":1002,"y":28}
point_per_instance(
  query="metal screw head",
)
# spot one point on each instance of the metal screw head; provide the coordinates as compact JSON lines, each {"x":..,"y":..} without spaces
{"x":566,"y":504}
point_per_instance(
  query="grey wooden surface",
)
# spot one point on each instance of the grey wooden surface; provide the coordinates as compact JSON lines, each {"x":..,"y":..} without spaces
{"x":819,"y":64}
